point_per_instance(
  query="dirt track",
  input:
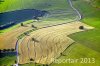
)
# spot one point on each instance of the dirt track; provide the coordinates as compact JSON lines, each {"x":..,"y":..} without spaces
{"x":51,"y":42}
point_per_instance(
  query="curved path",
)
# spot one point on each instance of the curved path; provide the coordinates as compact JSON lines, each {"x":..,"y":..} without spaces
{"x":80,"y":17}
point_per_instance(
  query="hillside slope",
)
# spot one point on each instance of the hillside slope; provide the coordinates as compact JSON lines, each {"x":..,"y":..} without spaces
{"x":11,"y":5}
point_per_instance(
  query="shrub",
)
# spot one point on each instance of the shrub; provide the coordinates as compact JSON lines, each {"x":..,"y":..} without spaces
{"x":22,"y":24}
{"x":8,"y":50}
{"x":31,"y":59}
{"x":12,"y":49}
{"x":15,"y":61}
{"x":4,"y":50}
{"x":0,"y":51}
{"x":81,"y":27}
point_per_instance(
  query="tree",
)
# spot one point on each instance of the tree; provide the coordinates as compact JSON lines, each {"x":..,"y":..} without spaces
{"x":22,"y":24}
{"x":5,"y":65}
{"x":12,"y":49}
{"x":26,"y":33}
{"x":31,"y":59}
{"x":0,"y":51}
{"x":81,"y":27}
{"x":45,"y":65}
{"x":4,"y":50}
{"x":36,"y":18}
{"x":34,"y":26}
{"x":8,"y":50}
{"x":15,"y":61}
{"x":33,"y":39}
{"x":62,"y":54}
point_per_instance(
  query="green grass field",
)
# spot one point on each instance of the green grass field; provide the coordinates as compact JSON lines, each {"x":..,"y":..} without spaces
{"x":87,"y":43}
{"x":91,"y":17}
{"x":7,"y":60}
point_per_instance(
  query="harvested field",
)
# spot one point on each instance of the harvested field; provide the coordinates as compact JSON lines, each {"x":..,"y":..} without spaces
{"x":8,"y":40}
{"x":46,"y":44}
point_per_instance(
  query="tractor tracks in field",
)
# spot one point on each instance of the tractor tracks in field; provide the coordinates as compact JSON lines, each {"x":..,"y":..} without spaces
{"x":41,"y":38}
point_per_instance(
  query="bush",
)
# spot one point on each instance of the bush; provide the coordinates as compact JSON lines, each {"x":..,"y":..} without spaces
{"x":33,"y":26}
{"x":4,"y":50}
{"x":12,"y":49}
{"x":81,"y":27}
{"x":8,"y":50}
{"x":31,"y":59}
{"x":15,"y":61}
{"x":22,"y":24}
{"x":0,"y":50}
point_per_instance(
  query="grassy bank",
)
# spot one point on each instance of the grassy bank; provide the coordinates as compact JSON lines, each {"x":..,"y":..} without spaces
{"x":14,"y":27}
{"x":7,"y":60}
{"x":11,"y":5}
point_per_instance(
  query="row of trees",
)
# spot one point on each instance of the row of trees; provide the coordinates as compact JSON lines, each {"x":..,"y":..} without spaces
{"x":31,"y":25}
{"x":7,"y":50}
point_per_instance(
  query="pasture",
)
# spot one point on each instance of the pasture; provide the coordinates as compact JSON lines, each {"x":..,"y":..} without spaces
{"x":87,"y":43}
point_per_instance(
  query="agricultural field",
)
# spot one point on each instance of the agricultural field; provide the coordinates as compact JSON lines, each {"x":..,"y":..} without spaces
{"x":46,"y":47}
{"x":48,"y":32}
